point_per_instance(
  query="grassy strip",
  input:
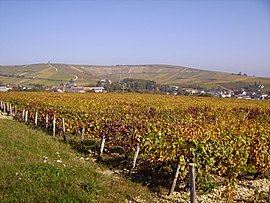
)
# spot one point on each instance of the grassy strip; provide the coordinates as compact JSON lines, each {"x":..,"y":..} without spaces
{"x":35,"y":168}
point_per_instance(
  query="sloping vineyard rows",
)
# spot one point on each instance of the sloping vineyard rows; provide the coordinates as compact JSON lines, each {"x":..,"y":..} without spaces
{"x":227,"y":137}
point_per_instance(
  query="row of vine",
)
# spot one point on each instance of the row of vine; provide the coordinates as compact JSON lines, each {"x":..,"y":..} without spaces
{"x":224,"y":137}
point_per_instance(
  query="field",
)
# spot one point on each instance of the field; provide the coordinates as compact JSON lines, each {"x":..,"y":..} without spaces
{"x":223,"y":137}
{"x":55,"y":74}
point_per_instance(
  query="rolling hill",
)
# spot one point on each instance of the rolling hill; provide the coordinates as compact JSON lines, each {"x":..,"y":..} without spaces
{"x":55,"y":74}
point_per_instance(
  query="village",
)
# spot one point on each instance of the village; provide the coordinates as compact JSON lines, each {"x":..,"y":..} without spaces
{"x":145,"y":86}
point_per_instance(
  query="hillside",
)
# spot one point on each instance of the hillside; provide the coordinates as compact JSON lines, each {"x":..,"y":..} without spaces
{"x":55,"y":74}
{"x":36,"y":168}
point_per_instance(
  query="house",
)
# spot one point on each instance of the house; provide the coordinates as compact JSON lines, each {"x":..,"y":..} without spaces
{"x":103,"y":82}
{"x":174,"y":87}
{"x":12,"y":86}
{"x":28,"y":87}
{"x":264,"y":96}
{"x":191,"y":90}
{"x":244,"y":93}
{"x":3,"y":89}
{"x":226,"y":95}
{"x":215,"y":93}
{"x":240,"y":93}
{"x":71,"y":84}
{"x":97,"y":89}
{"x":74,"y":89}
{"x":78,"y":89}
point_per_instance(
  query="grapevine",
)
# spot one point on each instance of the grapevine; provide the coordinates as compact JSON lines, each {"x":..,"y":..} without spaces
{"x":227,"y":137}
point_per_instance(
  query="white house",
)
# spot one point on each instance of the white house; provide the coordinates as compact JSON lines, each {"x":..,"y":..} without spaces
{"x":224,"y":95}
{"x":97,"y":89}
{"x":3,"y":89}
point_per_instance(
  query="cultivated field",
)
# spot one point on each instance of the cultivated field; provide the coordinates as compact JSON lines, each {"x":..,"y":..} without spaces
{"x":55,"y":74}
{"x":228,"y":138}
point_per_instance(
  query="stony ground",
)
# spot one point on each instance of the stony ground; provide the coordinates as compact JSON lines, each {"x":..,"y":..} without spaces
{"x":246,"y":191}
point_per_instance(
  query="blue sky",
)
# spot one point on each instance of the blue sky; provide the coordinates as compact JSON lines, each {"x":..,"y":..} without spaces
{"x":221,"y":35}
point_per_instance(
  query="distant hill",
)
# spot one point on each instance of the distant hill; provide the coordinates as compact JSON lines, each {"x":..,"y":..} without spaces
{"x":55,"y":74}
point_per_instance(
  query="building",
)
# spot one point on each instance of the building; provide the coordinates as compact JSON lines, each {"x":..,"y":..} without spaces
{"x":97,"y":89}
{"x":3,"y":89}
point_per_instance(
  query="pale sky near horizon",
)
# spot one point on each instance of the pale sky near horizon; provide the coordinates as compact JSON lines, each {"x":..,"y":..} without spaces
{"x":221,"y":35}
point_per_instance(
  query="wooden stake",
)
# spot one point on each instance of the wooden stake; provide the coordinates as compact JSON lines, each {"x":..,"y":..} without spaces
{"x":64,"y":130}
{"x":102,"y":144}
{"x":36,"y":118}
{"x":10,"y":110}
{"x":26,"y":116}
{"x":135,"y":156}
{"x":23,"y":113}
{"x":192,"y":183}
{"x":7,"y":107}
{"x":82,"y":136}
{"x":54,"y":120}
{"x":174,"y":179}
{"x":4,"y":104}
{"x":47,"y":121}
{"x":1,"y":103}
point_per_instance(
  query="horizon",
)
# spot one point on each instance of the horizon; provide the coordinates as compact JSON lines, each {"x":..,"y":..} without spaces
{"x":224,"y":36}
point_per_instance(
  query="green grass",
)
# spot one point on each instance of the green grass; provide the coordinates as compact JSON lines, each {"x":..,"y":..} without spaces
{"x":36,"y":168}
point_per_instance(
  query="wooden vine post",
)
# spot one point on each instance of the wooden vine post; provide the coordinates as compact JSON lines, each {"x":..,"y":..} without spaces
{"x":54,"y":121}
{"x":26,"y":116}
{"x":23,"y":113}
{"x":64,"y":130}
{"x":10,"y":110}
{"x":176,"y":174}
{"x":82,"y":138}
{"x":192,"y":183}
{"x":102,"y":144}
{"x":4,"y":107}
{"x":7,"y":107}
{"x":36,"y":118}
{"x":47,"y":121}
{"x":135,"y":157}
{"x":82,"y":135}
{"x":1,"y":104}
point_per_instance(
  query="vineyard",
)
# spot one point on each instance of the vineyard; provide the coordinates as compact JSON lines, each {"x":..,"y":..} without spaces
{"x":225,"y":137}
